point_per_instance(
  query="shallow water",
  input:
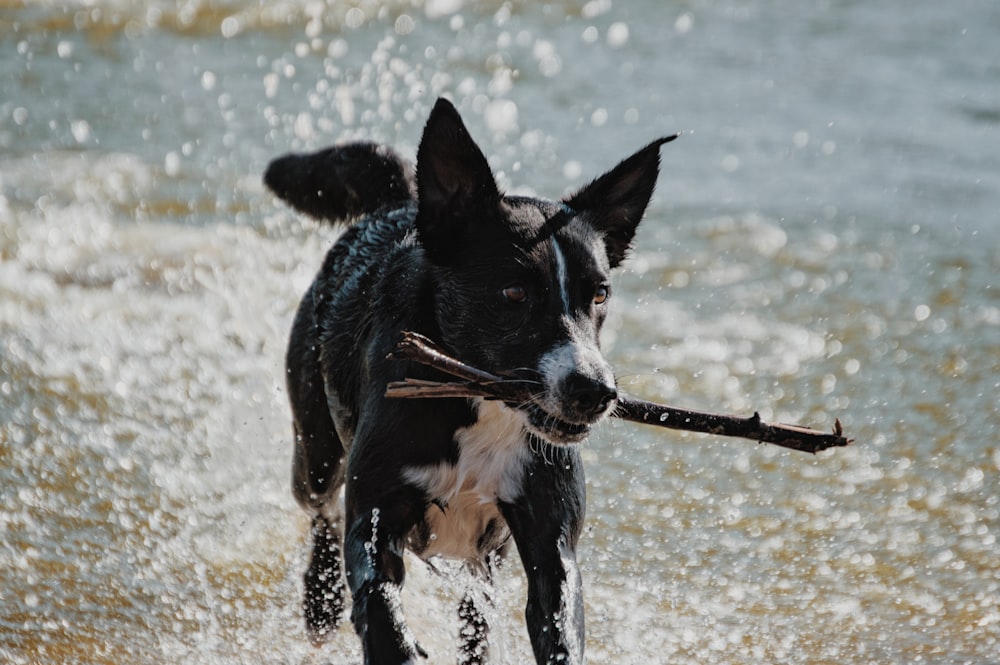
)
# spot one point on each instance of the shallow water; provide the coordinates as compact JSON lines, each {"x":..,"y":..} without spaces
{"x":823,"y":244}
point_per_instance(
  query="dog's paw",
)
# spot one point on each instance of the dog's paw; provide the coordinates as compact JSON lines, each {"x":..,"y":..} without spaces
{"x":322,"y":607}
{"x":323,"y":600}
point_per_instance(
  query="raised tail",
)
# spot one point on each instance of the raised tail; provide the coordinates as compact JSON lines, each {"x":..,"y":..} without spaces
{"x":342,"y":182}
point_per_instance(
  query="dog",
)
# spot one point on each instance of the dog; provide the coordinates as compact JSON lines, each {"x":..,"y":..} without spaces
{"x":514,"y":285}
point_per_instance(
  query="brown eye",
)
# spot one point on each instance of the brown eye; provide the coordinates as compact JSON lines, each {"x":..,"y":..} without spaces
{"x":515,"y":293}
{"x":601,"y":294}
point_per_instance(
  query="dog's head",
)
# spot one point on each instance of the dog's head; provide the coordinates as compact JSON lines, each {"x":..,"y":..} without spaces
{"x":522,"y":285}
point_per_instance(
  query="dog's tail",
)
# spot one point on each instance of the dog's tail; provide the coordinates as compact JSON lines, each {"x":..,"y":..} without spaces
{"x":343,"y":182}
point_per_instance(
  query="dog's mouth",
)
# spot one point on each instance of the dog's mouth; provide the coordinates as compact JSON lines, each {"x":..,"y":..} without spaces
{"x":552,"y":428}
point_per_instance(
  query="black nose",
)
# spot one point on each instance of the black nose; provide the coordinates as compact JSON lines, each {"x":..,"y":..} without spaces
{"x":587,"y":396}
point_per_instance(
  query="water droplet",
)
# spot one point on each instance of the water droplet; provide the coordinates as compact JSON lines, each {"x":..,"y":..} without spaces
{"x":81,"y":130}
{"x":617,"y":34}
{"x":684,"y":23}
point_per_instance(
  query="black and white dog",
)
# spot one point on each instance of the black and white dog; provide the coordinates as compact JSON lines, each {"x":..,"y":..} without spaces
{"x":513,"y":285}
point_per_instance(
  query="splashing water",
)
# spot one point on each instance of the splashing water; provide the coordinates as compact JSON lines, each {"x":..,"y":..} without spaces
{"x":821,"y":245}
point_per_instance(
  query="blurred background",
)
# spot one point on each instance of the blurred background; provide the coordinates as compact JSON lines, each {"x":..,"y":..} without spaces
{"x":823,"y":244}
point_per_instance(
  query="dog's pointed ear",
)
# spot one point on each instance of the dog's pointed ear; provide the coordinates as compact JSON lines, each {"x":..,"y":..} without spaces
{"x":615,"y":202}
{"x":454,"y":180}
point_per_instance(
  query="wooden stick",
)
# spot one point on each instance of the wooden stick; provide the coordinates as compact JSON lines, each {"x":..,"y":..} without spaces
{"x":787,"y":436}
{"x":477,"y":383}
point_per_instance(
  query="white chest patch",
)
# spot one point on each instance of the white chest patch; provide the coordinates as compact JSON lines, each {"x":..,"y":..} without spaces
{"x":492,"y":455}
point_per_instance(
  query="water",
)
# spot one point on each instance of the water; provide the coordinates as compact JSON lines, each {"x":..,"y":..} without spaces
{"x":823,"y":244}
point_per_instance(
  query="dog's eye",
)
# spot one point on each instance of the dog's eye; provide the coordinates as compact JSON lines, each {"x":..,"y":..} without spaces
{"x":515,"y":293}
{"x":601,"y":294}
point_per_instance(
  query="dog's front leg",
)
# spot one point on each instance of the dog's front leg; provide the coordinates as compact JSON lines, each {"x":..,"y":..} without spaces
{"x":546,"y":521}
{"x":374,"y":562}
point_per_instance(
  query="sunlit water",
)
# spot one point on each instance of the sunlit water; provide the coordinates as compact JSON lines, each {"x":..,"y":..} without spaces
{"x":823,"y":244}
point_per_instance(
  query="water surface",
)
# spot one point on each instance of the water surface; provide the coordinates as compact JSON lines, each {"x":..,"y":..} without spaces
{"x":823,"y":244}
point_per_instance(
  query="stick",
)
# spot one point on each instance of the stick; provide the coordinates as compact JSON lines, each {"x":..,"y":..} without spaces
{"x":787,"y":436}
{"x":477,"y":383}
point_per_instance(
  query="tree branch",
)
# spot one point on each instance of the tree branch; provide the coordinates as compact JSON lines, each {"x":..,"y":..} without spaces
{"x":477,"y":383}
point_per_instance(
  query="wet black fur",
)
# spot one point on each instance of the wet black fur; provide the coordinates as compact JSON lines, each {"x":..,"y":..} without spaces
{"x":433,"y":252}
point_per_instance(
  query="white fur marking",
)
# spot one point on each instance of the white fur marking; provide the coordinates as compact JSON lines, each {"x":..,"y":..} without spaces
{"x":492,"y":454}
{"x":570,"y":609}
{"x":561,"y":275}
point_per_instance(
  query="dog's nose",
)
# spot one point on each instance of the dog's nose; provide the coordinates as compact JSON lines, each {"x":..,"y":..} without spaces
{"x":589,"y":396}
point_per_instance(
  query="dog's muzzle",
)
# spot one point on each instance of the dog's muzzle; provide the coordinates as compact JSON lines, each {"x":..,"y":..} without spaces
{"x":565,"y":414}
